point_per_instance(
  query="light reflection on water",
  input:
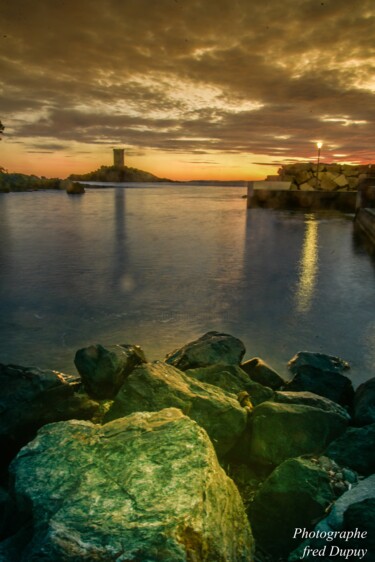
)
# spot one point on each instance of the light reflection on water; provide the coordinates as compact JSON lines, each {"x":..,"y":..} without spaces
{"x":159,"y":266}
{"x":308,"y":265}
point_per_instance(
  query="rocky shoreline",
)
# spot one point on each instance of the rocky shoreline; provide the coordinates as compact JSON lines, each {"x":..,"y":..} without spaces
{"x":200,"y":457}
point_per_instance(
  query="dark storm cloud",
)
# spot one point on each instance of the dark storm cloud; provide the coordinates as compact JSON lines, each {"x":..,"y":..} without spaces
{"x":176,"y":76}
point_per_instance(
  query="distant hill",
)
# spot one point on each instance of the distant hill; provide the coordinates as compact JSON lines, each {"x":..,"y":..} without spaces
{"x":23,"y":182}
{"x":115,"y":174}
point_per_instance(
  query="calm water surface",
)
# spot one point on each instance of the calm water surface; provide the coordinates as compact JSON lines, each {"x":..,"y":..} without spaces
{"x":159,"y":266}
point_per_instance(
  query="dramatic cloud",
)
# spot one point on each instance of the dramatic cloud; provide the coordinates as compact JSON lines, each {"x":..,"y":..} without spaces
{"x":206,"y":82}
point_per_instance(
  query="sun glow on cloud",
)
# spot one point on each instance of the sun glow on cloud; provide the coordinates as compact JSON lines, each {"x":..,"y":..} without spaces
{"x":197,"y":86}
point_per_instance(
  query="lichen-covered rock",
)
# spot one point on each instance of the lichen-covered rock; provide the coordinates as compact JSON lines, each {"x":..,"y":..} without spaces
{"x":103,"y":370}
{"x":260,"y":372}
{"x":281,"y":431}
{"x":322,"y":361}
{"x":295,"y":495}
{"x":331,"y":385}
{"x":364,"y":403}
{"x":147,"y":487}
{"x":232,"y":379}
{"x":212,"y":348}
{"x":355,"y":449}
{"x":311,"y":399}
{"x":154,"y":386}
{"x":30,"y":398}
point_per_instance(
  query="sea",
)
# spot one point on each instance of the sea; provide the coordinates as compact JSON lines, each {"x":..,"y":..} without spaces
{"x":159,"y":265}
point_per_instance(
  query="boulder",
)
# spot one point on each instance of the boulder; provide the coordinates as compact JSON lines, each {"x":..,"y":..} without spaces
{"x":103,"y":370}
{"x":154,"y":386}
{"x":331,"y":385}
{"x":361,"y":515}
{"x":147,"y":487}
{"x":364,"y":403}
{"x":355,"y":449}
{"x":232,"y":379}
{"x":295,"y":495}
{"x":213,"y":348}
{"x":321,"y":361}
{"x":337,"y":520}
{"x":341,"y":181}
{"x":32,"y":397}
{"x":281,"y":431}
{"x":311,"y":399}
{"x":260,"y":372}
{"x":72,"y":187}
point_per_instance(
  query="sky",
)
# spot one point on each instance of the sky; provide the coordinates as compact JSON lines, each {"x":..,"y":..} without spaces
{"x":209,"y":89}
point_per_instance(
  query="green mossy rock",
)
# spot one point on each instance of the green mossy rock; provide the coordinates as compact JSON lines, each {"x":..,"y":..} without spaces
{"x":213,"y":348}
{"x":154,"y":386}
{"x":295,"y":495}
{"x":311,"y":399}
{"x":103,"y":370}
{"x":232,"y":379}
{"x":147,"y":488}
{"x":281,"y":431}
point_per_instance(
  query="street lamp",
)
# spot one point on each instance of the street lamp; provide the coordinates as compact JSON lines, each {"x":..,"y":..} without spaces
{"x":319,"y":144}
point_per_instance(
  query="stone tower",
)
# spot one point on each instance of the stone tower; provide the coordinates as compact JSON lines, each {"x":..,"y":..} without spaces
{"x":118,"y":157}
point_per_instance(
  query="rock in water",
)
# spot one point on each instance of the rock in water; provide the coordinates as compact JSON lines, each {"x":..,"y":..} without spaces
{"x":32,"y":397}
{"x":321,"y":361}
{"x":103,"y":371}
{"x":154,"y":386}
{"x":213,"y":348}
{"x":147,"y":487}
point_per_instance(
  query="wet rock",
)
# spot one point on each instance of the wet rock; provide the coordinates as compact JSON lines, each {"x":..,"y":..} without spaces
{"x":361,"y":515}
{"x":364,"y":403}
{"x":30,"y":398}
{"x":212,"y":348}
{"x":296,"y":494}
{"x":154,"y":386}
{"x":232,"y":379}
{"x":103,"y":370}
{"x":322,"y":361}
{"x":281,"y":431}
{"x":311,"y":399}
{"x":355,"y":449}
{"x":262,"y":373}
{"x":331,"y":385}
{"x":144,"y":487}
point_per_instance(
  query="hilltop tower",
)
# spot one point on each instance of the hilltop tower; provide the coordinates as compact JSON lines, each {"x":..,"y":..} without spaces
{"x":118,"y":157}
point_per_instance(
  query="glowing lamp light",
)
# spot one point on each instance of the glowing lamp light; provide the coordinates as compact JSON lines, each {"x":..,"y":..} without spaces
{"x":319,"y":144}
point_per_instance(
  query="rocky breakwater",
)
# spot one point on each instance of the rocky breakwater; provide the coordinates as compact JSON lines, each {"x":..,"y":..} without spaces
{"x":181,"y":458}
{"x":328,"y":177}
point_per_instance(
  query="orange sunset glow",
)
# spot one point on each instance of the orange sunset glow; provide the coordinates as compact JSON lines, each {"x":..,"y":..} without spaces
{"x":192,"y":90}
